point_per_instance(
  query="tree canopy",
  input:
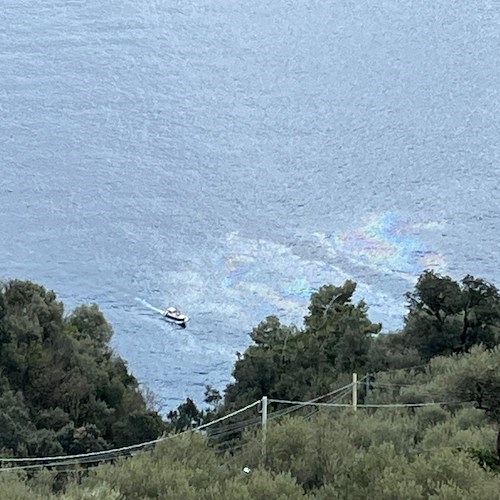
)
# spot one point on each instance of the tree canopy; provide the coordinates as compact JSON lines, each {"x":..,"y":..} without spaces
{"x":447,"y":317}
{"x":62,"y":390}
{"x":286,"y":362}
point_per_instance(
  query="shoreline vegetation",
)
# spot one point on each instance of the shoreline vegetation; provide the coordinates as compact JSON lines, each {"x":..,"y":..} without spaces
{"x":412,"y":414}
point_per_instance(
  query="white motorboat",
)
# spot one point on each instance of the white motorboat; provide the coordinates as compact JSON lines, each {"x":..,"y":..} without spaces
{"x":175,"y":316}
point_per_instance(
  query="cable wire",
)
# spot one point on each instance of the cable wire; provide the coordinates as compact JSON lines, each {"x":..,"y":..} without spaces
{"x":104,"y":453}
{"x":348,"y":405}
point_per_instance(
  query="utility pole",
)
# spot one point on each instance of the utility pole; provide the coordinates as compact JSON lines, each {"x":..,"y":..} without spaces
{"x":264,"y":428}
{"x":354,"y":391}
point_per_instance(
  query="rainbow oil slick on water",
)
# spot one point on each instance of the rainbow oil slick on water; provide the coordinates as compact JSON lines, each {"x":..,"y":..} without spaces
{"x":383,"y":254}
{"x":388,"y":244}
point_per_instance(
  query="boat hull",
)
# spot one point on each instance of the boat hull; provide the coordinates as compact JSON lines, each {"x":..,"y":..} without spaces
{"x":177,"y":321}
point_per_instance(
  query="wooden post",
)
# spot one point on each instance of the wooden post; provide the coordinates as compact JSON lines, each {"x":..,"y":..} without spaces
{"x":355,"y":391}
{"x":264,"y":428}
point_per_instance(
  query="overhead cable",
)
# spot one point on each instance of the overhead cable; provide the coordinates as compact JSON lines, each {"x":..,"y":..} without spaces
{"x":104,"y":453}
{"x":348,"y":405}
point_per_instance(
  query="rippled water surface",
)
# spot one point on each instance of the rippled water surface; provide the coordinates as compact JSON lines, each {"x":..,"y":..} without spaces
{"x":229,"y":157}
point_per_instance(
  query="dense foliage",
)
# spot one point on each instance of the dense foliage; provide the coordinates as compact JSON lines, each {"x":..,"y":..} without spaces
{"x":289,"y":363}
{"x":284,"y":362}
{"x":62,"y":390}
{"x":335,"y":454}
{"x":446,"y":317}
{"x":447,"y":358}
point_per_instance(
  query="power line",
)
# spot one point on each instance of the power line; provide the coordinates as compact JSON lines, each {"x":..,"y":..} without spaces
{"x":117,"y":451}
{"x":347,"y":405}
{"x":30,"y":463}
{"x":251,"y":405}
{"x":336,"y":399}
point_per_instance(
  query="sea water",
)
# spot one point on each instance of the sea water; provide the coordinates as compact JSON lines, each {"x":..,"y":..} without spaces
{"x":228,"y":158}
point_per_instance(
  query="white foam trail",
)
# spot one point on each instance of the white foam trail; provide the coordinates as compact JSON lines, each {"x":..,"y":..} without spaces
{"x":148,"y":305}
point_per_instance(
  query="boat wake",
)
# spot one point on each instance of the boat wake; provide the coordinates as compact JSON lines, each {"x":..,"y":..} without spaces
{"x":148,"y":305}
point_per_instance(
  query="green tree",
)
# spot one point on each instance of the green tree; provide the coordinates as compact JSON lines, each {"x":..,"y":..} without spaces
{"x":137,"y":427}
{"x":391,"y":352}
{"x":15,"y":423}
{"x":287,"y":363}
{"x":185,"y":417}
{"x":339,"y":333}
{"x":447,"y":317}
{"x":258,"y":372}
{"x":89,"y":322}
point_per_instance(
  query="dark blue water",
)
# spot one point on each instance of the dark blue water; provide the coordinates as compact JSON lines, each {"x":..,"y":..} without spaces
{"x":230,"y":157}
